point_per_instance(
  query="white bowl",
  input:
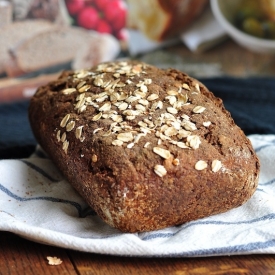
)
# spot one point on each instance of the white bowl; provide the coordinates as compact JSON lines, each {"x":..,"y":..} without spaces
{"x":224,"y":12}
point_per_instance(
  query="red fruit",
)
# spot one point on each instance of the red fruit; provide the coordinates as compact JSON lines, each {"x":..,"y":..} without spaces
{"x":75,"y":6}
{"x":120,"y":21}
{"x":90,"y":2}
{"x":101,"y":4}
{"x":88,"y":18}
{"x":103,"y":27}
{"x":114,"y":10}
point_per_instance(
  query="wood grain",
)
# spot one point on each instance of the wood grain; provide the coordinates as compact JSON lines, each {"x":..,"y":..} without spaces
{"x":19,"y":256}
{"x":235,"y":265}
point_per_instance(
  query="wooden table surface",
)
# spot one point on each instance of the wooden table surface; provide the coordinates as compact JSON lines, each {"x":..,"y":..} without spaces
{"x":20,"y":256}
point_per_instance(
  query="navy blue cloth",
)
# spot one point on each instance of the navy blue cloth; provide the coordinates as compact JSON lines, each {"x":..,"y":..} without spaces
{"x":16,"y":138}
{"x":251,"y":102}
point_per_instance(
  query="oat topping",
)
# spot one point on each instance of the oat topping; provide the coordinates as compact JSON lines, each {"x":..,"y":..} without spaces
{"x":54,"y":260}
{"x":70,"y":126}
{"x":133,"y":110}
{"x":68,"y":91}
{"x":216,"y":165}
{"x":185,"y":86}
{"x":152,"y":97}
{"x":182,"y":145}
{"x":130,"y":145}
{"x":197,"y":86}
{"x":193,"y":141}
{"x":125,"y":137}
{"x":206,"y":123}
{"x":117,"y":142}
{"x":160,"y":170}
{"x":172,"y":110}
{"x":188,"y":125}
{"x":199,"y":109}
{"x":63,"y":137}
{"x":65,"y":146}
{"x":162,"y":152}
{"x":97,"y":117}
{"x":186,"y":117}
{"x":146,"y":144}
{"x":64,"y":120}
{"x":58,"y":135}
{"x":201,"y":165}
{"x":78,"y":133}
{"x":95,"y":131}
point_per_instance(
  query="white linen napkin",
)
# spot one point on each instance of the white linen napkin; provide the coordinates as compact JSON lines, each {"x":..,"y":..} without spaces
{"x":204,"y":33}
{"x":38,"y":204}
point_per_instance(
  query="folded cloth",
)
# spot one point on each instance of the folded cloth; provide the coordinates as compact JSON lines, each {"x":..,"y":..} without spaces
{"x":16,"y":138}
{"x":37,"y":203}
{"x":204,"y":33}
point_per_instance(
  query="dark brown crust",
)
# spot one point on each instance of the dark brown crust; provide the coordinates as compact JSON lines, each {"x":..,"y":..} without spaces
{"x":120,"y":183}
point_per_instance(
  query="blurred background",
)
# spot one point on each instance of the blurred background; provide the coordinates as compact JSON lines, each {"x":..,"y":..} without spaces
{"x":204,"y":38}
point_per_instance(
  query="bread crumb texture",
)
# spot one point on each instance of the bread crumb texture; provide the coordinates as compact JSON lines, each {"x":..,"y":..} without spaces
{"x":146,"y":148}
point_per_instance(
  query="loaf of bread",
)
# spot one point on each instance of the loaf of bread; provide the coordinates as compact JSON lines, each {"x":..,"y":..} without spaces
{"x":100,"y":47}
{"x":146,"y":148}
{"x":12,"y":34}
{"x":163,"y":19}
{"x":70,"y":44}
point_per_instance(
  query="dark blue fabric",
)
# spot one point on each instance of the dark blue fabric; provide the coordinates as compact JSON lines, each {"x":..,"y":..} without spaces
{"x":251,"y":102}
{"x":16,"y":138}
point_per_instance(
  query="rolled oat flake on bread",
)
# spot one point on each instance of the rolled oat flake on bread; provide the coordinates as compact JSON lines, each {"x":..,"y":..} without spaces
{"x":146,"y":148}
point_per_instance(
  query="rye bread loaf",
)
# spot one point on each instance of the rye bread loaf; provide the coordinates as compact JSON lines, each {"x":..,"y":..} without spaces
{"x":146,"y":148}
